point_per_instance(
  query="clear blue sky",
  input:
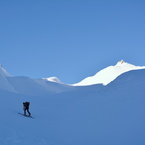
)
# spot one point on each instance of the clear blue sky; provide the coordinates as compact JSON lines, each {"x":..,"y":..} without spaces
{"x":70,"y":39}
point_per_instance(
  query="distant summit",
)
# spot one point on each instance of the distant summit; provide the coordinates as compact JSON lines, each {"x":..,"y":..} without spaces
{"x":121,"y":62}
{"x":108,"y":74}
{"x":53,"y":79}
{"x":4,"y":83}
{"x":3,"y":72}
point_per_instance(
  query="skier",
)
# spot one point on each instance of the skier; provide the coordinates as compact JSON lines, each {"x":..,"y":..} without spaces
{"x":26,"y":107}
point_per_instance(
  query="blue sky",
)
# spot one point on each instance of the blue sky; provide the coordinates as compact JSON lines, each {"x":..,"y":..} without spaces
{"x":70,"y":39}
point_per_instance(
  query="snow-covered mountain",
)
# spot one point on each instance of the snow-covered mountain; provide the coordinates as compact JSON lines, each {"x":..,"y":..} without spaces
{"x":32,"y":87}
{"x":109,"y":74}
{"x":41,"y":87}
{"x":113,"y":114}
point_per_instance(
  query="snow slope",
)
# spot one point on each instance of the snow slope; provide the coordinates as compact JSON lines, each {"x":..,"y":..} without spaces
{"x":41,"y":87}
{"x":4,"y":84}
{"x":86,"y":115}
{"x":31,"y":87}
{"x":108,"y":74}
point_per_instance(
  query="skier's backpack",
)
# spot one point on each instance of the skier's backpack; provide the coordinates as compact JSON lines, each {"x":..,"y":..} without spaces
{"x":26,"y":104}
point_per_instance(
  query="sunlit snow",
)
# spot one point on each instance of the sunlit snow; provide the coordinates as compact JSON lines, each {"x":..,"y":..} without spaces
{"x":113,"y":114}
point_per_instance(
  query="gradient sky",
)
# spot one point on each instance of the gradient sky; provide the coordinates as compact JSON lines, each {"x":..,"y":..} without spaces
{"x":70,"y":39}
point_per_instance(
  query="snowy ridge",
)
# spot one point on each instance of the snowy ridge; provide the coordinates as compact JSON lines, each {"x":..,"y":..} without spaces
{"x":41,"y":87}
{"x":109,"y":74}
{"x":85,"y":115}
{"x":111,"y":115}
{"x":53,"y":79}
{"x":31,"y":87}
{"x":4,"y":83}
{"x":3,"y":72}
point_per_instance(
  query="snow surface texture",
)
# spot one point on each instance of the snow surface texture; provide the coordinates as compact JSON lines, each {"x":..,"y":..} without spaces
{"x":66,"y":115}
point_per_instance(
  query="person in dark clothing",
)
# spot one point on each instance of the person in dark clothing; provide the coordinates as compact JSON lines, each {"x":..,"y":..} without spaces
{"x":26,"y":107}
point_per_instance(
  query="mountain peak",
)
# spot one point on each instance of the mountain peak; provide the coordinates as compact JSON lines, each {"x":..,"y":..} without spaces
{"x":53,"y":79}
{"x":3,"y":72}
{"x":120,"y":62}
